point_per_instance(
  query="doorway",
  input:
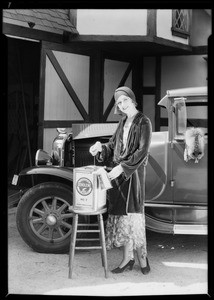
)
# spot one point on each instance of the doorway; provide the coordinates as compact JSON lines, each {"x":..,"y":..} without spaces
{"x":23,"y":63}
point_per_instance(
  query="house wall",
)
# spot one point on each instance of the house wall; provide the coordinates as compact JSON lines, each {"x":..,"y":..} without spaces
{"x":200,"y":31}
{"x":148,"y":101}
{"x":183,"y":71}
{"x":164,"y":24}
{"x":112,"y":22}
{"x":176,"y":71}
{"x":180,"y":72}
{"x":58,"y":104}
{"x":113,"y":72}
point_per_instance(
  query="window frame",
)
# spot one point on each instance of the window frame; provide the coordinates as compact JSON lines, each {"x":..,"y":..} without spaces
{"x":178,"y":31}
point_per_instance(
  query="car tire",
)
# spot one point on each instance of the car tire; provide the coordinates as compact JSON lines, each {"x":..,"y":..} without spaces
{"x":43,"y":219}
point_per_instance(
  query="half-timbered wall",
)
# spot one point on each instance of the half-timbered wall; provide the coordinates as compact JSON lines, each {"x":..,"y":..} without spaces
{"x":58,"y":103}
{"x":181,"y":72}
{"x":113,"y":72}
{"x":149,"y":81}
{"x":64,"y":93}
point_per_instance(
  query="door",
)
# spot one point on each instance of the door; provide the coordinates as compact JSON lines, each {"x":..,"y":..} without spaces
{"x":190,"y":177}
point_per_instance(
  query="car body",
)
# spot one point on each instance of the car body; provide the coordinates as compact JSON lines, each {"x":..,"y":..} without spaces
{"x":176,"y":187}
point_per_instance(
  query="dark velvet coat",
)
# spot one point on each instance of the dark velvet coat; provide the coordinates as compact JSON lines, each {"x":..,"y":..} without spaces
{"x":128,"y":192}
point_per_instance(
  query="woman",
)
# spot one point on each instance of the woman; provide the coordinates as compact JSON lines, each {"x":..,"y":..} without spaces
{"x":127,"y":153}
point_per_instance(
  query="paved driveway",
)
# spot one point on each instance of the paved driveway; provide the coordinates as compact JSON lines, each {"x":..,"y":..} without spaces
{"x":178,"y":266}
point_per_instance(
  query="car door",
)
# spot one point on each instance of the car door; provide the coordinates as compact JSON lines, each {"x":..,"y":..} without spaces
{"x":189,"y":177}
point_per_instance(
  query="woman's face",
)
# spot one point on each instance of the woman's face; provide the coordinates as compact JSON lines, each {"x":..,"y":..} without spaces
{"x":125,"y":104}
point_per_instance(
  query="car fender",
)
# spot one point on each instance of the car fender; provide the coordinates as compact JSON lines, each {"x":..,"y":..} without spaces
{"x":63,"y":172}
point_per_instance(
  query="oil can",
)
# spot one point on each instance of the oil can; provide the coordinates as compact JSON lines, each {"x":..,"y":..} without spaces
{"x":89,"y":188}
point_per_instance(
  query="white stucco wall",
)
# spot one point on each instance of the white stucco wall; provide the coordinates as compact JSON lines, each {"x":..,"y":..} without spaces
{"x":164,"y":25}
{"x":200,"y":31}
{"x":112,"y":21}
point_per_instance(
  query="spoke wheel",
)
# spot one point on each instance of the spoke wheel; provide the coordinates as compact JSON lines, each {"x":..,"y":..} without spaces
{"x":43,"y":219}
{"x":50,"y":219}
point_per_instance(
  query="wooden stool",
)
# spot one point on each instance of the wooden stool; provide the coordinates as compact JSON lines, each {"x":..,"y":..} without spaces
{"x":74,"y":239}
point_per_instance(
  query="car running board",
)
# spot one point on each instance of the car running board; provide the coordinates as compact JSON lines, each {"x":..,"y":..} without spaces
{"x":190,"y":229}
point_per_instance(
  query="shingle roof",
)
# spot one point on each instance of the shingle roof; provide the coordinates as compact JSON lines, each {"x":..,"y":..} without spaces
{"x":52,"y":20}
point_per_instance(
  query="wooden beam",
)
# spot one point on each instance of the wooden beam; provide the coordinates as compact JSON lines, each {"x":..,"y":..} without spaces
{"x":129,"y":38}
{"x":150,"y":90}
{"x":31,"y":33}
{"x":199,"y":50}
{"x":112,"y":102}
{"x":137,"y":81}
{"x":164,"y":42}
{"x":96,"y":88}
{"x":151,"y":22}
{"x":41,"y":97}
{"x":76,"y":48}
{"x":67,"y":84}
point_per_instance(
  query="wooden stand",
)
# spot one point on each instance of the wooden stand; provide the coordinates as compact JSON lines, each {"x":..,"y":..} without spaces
{"x":101,"y":237}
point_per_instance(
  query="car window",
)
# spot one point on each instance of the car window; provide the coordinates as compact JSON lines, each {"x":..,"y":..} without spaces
{"x":187,"y":115}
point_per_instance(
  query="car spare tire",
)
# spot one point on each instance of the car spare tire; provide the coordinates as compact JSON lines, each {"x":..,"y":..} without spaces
{"x":43,"y":219}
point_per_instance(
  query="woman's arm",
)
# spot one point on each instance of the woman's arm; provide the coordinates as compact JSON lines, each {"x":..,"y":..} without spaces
{"x":107,"y":152}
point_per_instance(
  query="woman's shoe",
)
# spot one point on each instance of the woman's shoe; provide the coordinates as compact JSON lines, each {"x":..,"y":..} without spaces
{"x":146,"y":269}
{"x":130,"y":264}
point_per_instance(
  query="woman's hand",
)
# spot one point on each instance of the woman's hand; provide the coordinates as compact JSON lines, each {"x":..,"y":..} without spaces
{"x":115,"y":172}
{"x":97,"y":147}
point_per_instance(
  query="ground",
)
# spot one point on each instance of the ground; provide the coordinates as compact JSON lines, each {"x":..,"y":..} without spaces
{"x":178,"y":266}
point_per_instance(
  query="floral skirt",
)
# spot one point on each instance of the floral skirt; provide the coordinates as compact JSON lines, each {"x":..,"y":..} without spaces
{"x":130,"y":229}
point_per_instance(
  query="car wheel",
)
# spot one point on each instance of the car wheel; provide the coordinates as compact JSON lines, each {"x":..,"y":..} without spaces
{"x":43,"y":219}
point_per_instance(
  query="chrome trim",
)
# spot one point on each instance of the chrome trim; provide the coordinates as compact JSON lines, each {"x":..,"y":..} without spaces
{"x":190,"y":229}
{"x":174,"y":206}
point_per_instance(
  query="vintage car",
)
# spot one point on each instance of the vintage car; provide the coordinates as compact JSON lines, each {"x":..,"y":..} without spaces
{"x":176,"y":176}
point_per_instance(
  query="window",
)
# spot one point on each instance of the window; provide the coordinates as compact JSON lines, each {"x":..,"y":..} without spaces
{"x":179,"y":108}
{"x":180,"y":22}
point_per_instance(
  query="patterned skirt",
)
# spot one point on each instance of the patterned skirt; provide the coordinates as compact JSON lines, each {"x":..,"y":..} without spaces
{"x":130,"y":228}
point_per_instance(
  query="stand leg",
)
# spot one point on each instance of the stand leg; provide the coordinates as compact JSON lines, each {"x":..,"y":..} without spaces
{"x":100,"y":240}
{"x":100,"y":218}
{"x":72,"y":244}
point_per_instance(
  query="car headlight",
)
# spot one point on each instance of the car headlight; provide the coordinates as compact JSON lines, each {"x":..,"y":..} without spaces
{"x":58,"y":147}
{"x":42,"y":158}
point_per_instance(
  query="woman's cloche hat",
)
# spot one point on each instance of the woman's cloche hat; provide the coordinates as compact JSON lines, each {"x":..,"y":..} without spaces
{"x":123,"y":90}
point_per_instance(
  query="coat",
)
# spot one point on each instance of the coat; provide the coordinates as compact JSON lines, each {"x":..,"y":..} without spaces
{"x":128,"y":192}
